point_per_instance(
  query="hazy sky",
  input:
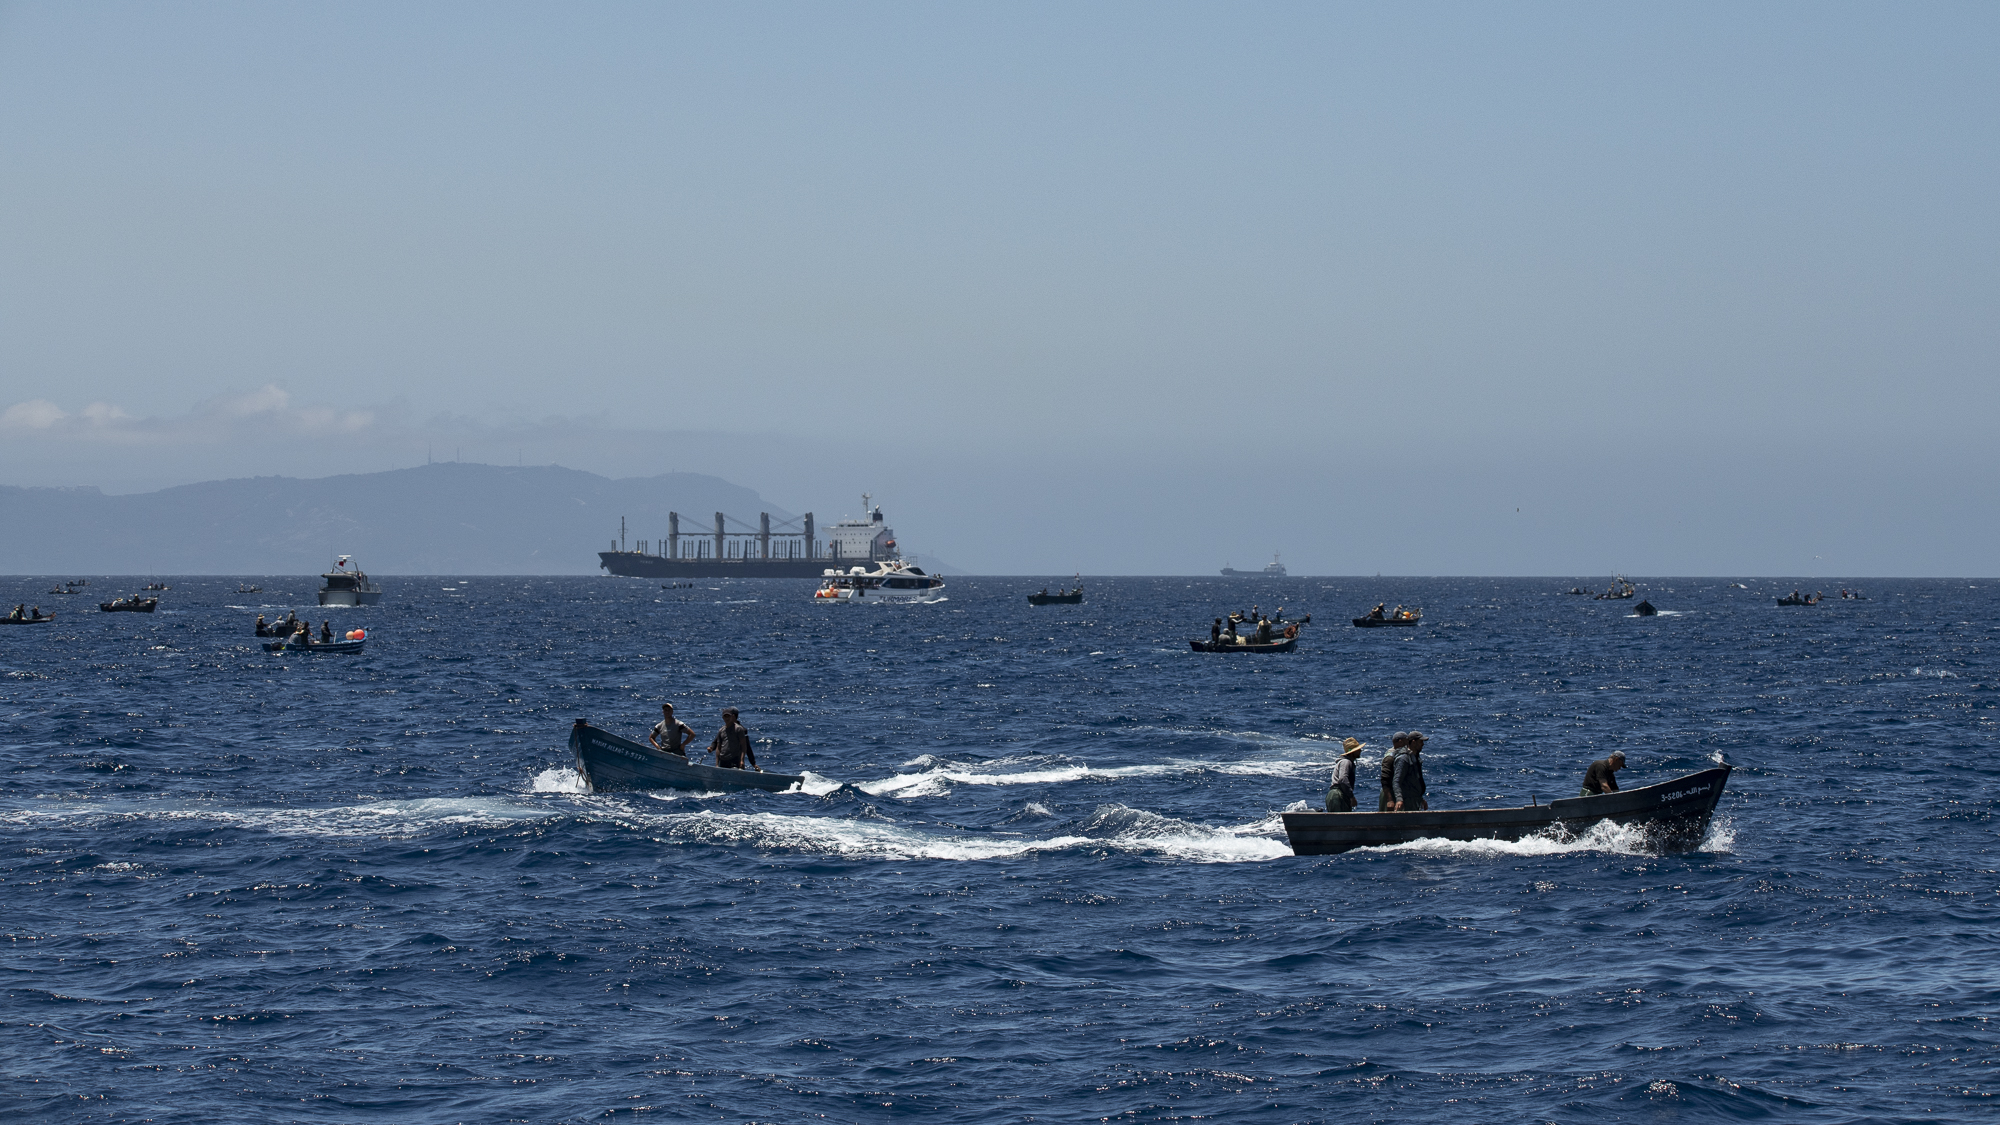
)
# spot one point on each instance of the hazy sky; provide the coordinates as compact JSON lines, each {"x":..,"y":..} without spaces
{"x":1106,"y":287}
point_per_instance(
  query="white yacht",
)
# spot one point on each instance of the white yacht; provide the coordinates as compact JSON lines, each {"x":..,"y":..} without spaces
{"x":886,"y":577}
{"x":892,"y":580}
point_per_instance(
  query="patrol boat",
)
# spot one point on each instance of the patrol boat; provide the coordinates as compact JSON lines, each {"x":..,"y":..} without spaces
{"x":347,"y":585}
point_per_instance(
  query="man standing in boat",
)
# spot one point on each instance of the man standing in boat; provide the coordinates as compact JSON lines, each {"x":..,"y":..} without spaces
{"x":1410,"y":776}
{"x":1602,"y":777}
{"x":1340,"y":798}
{"x":670,"y":734}
{"x":1388,"y":799}
{"x":732,"y":744}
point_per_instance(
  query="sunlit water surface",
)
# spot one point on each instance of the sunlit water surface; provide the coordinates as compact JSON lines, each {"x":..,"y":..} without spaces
{"x":1036,"y":873}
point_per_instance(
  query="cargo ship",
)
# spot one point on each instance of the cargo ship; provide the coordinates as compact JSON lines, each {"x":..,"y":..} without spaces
{"x":1275,"y":570}
{"x":761,"y":553}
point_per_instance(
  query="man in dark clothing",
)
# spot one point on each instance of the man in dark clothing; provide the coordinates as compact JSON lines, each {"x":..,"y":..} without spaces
{"x":732,"y":744}
{"x":1396,"y":746}
{"x":1410,"y":776}
{"x":1215,"y":632}
{"x":1340,"y":797}
{"x":326,"y":632}
{"x":670,"y":734}
{"x":1601,"y":776}
{"x":1263,"y":631}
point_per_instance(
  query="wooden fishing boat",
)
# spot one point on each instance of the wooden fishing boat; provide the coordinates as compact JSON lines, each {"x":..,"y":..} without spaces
{"x":317,"y":646}
{"x":1674,"y":815}
{"x":1066,"y":597}
{"x":1383,"y":622}
{"x":609,"y":763}
{"x":1277,"y":644}
{"x":1794,"y":599}
{"x":44,"y":619}
{"x":130,"y":605}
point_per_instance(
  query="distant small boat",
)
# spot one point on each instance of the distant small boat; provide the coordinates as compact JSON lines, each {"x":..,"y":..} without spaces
{"x":1620,"y":590}
{"x":242,"y":589}
{"x":129,"y":605}
{"x":1062,"y":596}
{"x":1675,"y":815}
{"x":156,"y":586}
{"x":77,"y":584}
{"x":42,"y":619}
{"x":1249,"y":643}
{"x":1407,"y":618}
{"x":1795,"y":599}
{"x":1645,"y":609}
{"x":609,"y":763}
{"x":60,"y":590}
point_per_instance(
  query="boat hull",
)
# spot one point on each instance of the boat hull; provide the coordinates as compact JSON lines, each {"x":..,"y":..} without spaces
{"x":27,"y":620}
{"x":328,"y":647}
{"x":609,"y":764}
{"x":1384,"y":622}
{"x":631,"y":564}
{"x":1056,"y":599}
{"x":1283,"y":644}
{"x":1675,"y":815}
{"x":146,"y":605}
{"x":349,"y":597}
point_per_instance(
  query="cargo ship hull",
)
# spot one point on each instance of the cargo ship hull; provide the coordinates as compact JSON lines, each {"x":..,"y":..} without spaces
{"x":631,"y":564}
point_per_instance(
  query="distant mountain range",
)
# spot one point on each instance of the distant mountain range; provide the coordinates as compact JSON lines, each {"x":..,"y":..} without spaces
{"x":448,"y":518}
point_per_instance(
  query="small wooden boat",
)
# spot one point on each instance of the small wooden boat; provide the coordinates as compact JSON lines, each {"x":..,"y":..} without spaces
{"x":1674,"y":814}
{"x":130,"y":605}
{"x":1623,"y":593}
{"x":316,"y":646}
{"x":60,"y":590}
{"x":42,"y":619}
{"x":1384,"y":622}
{"x":1794,"y":599}
{"x":242,"y":589}
{"x":1277,"y":644}
{"x":1066,"y":597}
{"x":609,"y":763}
{"x":1645,"y":609}
{"x":156,"y":586}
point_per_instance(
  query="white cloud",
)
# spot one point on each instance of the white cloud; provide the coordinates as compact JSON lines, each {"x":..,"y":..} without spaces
{"x":34,"y":414}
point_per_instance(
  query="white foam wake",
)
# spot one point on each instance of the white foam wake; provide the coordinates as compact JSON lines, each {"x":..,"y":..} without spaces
{"x":937,"y":780}
{"x":1605,"y":836}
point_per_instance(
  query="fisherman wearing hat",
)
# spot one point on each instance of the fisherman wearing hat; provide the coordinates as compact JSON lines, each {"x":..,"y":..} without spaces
{"x":1410,"y":776}
{"x":1396,"y":744}
{"x":1340,"y":798}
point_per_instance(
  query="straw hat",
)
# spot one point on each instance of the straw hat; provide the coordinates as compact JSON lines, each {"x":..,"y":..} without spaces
{"x":1350,"y":747}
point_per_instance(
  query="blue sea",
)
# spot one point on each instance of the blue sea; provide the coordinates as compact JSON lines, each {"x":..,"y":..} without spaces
{"x":1036,"y":873}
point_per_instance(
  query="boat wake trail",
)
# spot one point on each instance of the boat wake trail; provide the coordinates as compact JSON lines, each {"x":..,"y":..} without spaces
{"x":1606,"y":836}
{"x":937,"y":778}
